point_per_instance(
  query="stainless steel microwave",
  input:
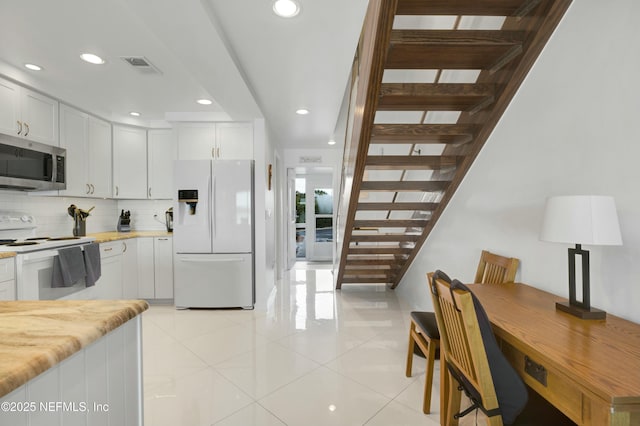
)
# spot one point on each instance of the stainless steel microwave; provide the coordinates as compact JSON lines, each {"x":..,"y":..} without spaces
{"x":31,"y":166}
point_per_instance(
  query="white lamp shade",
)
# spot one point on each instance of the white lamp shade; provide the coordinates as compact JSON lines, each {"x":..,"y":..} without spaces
{"x":581,"y":219}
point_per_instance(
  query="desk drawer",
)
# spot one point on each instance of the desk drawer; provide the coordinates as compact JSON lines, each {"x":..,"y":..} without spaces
{"x":564,"y":394}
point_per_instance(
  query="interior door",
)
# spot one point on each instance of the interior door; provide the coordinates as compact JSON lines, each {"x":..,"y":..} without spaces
{"x":291,"y":218}
{"x":319,"y":195}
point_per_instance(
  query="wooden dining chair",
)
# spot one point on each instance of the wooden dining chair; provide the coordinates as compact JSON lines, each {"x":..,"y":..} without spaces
{"x":495,"y":269}
{"x":423,"y":330}
{"x":474,"y":364}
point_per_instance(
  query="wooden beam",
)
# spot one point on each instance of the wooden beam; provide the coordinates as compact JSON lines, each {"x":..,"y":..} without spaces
{"x":391,"y":250}
{"x":397,"y":206}
{"x":422,"y":133}
{"x":390,"y":223}
{"x":450,"y":49}
{"x":382,"y":238}
{"x":412,"y":162}
{"x":404,"y":185}
{"x":432,"y":97}
{"x":459,"y":7}
{"x":468,"y":38}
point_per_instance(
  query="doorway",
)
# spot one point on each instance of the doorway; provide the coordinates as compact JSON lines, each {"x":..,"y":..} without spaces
{"x":311,"y":218}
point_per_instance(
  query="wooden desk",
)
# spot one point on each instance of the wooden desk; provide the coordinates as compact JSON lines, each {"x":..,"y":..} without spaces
{"x":593,"y":367}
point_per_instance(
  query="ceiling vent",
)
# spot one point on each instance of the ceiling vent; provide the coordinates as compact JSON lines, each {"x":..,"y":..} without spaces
{"x":141,"y":64}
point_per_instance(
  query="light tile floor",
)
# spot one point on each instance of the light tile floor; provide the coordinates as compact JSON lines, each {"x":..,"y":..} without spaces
{"x":315,"y":356}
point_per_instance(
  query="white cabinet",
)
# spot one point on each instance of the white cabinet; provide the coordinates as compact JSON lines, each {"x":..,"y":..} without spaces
{"x":87,"y":140}
{"x":163,"y":267}
{"x":162,"y":151}
{"x":109,"y":286}
{"x":155,"y":268}
{"x":28,"y":114}
{"x":235,"y":141}
{"x":7,"y":279}
{"x":130,"y":269}
{"x":232,"y":141}
{"x":129,"y":162}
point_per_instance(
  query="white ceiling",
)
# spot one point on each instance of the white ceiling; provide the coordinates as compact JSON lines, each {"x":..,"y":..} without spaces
{"x":251,"y":62}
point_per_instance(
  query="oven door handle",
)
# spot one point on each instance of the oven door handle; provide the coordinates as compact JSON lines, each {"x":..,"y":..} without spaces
{"x":36,"y":256}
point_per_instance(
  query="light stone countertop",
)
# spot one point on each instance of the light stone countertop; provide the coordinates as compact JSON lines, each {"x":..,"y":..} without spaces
{"x":37,"y":335}
{"x":105,"y":237}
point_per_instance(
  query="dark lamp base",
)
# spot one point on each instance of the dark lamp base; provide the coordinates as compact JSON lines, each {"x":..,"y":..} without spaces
{"x":582,"y":313}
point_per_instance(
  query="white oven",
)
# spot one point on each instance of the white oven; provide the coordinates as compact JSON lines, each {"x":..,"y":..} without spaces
{"x":35,"y":257}
{"x":34,"y":277}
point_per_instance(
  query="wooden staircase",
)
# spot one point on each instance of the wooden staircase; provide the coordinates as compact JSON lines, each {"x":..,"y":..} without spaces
{"x":430,"y":81}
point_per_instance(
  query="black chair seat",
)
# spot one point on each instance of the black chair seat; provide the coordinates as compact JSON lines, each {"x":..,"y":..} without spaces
{"x":426,"y":322}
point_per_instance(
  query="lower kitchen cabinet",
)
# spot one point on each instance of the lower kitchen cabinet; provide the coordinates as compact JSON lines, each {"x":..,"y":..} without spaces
{"x":100,"y":385}
{"x":109,"y":286}
{"x":155,"y":268}
{"x":7,"y":279}
{"x":130,"y":269}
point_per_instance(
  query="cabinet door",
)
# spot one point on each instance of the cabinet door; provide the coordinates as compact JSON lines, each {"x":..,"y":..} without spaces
{"x":146,"y":281}
{"x":8,"y":290}
{"x":9,"y":108}
{"x":73,"y":137}
{"x":234,"y":141}
{"x":196,"y":141}
{"x":163,"y":267}
{"x":130,"y":269}
{"x":109,"y":286}
{"x":162,"y":149}
{"x":99,"y":157}
{"x":129,"y":162}
{"x":40,"y":116}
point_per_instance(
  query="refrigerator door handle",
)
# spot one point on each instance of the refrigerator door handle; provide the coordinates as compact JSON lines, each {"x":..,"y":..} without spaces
{"x":209,"y":208}
{"x":212,"y":215}
{"x":209,"y":260}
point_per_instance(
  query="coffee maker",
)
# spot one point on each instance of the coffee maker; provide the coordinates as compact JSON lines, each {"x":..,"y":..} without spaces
{"x":168,"y":218}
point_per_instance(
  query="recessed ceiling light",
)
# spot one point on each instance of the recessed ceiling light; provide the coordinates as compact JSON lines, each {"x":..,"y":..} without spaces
{"x":204,"y":101}
{"x":286,"y":8}
{"x":92,"y":59}
{"x":134,"y":113}
{"x":331,"y":142}
{"x":302,"y":111}
{"x":33,"y":67}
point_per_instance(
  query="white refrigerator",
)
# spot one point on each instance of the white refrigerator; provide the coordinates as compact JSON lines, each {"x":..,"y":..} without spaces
{"x":213,"y":234}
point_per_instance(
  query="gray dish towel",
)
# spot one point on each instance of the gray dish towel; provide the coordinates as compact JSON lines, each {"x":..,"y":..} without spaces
{"x":68,"y":267}
{"x":92,"y":263}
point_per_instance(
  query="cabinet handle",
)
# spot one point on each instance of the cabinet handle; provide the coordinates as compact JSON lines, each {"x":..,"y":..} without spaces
{"x":163,"y":239}
{"x":213,"y":153}
{"x":116,"y":190}
{"x":108,"y":249}
{"x":19,"y":126}
{"x":218,"y":151}
{"x":27,"y":126}
{"x":93,"y":189}
{"x":124,"y":247}
{"x":149,"y":192}
{"x":88,"y":189}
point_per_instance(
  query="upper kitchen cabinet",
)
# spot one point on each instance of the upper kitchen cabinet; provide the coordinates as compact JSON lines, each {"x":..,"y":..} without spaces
{"x":28,"y":114}
{"x":162,"y":151}
{"x":223,"y":141}
{"x":87,"y":140}
{"x":129,"y":162}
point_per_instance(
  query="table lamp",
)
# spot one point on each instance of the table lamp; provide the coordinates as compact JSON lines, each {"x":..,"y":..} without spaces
{"x":581,"y":219}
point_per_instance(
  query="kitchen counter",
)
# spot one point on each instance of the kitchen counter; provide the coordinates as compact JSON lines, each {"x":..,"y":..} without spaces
{"x":105,"y":237}
{"x":6,"y":254}
{"x":37,"y":335}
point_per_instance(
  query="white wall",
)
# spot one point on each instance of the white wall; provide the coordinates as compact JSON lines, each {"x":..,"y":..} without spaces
{"x":571,"y":129}
{"x":146,"y":215}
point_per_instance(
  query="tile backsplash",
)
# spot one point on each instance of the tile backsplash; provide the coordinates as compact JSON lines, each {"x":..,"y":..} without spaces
{"x":51,"y":214}
{"x":53,"y":220}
